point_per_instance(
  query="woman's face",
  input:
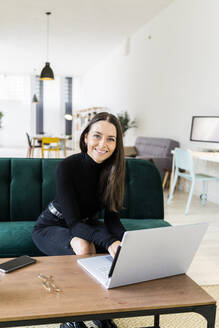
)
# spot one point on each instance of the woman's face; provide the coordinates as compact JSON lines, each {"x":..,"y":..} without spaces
{"x":101,"y":141}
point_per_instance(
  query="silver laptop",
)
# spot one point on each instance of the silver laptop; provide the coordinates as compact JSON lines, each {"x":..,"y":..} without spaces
{"x":147,"y":254}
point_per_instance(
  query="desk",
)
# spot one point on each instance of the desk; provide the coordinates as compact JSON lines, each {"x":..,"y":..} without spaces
{"x":205,"y":156}
{"x":39,"y":137}
{"x":24,"y":301}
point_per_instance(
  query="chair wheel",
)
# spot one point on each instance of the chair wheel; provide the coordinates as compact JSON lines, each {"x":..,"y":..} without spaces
{"x":203,"y":197}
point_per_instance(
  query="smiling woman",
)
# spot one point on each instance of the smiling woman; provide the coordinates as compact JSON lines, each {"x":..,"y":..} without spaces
{"x":106,"y":128}
{"x":101,"y":141}
{"x":86,"y":183}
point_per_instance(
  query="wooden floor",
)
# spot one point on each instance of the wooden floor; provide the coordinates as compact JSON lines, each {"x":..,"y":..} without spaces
{"x":205,"y":266}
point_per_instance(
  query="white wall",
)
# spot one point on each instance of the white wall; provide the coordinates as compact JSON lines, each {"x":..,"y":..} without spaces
{"x":15,"y":103}
{"x":20,"y":113}
{"x":170,"y":74}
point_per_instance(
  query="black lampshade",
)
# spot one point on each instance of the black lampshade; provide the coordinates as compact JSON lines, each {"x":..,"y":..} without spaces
{"x":47,"y":73}
{"x":35,"y":99}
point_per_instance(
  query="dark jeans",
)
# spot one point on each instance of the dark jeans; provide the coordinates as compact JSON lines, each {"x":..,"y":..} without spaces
{"x":52,"y":236}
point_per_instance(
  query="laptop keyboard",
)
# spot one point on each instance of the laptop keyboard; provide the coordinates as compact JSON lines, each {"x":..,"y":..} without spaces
{"x":103,"y":271}
{"x":110,"y":258}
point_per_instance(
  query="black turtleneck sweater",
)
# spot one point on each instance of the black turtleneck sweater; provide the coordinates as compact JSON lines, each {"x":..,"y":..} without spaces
{"x":77,"y":197}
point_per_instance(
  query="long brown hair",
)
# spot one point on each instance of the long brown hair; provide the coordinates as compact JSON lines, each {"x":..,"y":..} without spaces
{"x":113,"y":174}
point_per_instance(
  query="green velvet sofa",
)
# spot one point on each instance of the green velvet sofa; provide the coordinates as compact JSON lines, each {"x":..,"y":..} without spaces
{"x":27,"y":185}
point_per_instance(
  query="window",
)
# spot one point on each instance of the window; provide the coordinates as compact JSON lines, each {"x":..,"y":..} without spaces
{"x":13,"y":88}
{"x":68,"y":103}
{"x":39,"y":105}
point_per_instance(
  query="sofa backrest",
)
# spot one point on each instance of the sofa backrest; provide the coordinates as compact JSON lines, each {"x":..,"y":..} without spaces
{"x":143,"y":191}
{"x":27,"y":185}
{"x":157,"y":147}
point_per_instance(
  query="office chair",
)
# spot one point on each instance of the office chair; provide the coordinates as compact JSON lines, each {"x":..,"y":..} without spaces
{"x":183,"y":160}
{"x":30,"y":149}
{"x":50,"y":144}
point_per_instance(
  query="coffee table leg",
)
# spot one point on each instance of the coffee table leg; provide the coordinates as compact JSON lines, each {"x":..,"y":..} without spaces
{"x":211,"y":319}
{"x":156,"y":321}
{"x":209,"y":313}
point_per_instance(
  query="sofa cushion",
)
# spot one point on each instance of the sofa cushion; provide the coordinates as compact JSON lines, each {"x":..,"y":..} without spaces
{"x":145,"y":194}
{"x":25,"y":192}
{"x":16,"y":239}
{"x":133,"y":224}
{"x":5,"y":178}
{"x":48,"y":180}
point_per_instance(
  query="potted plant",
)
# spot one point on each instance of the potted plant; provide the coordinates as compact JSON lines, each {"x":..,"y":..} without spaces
{"x":126,"y":122}
{"x":1,"y":116}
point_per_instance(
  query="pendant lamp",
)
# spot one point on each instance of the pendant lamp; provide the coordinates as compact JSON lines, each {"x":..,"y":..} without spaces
{"x":68,"y":117}
{"x":47,"y":72}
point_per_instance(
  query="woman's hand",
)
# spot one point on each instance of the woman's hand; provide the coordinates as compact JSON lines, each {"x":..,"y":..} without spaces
{"x":113,"y":247}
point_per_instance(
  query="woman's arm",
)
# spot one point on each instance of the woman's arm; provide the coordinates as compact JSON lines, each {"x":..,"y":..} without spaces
{"x":113,"y":223}
{"x":115,"y":227}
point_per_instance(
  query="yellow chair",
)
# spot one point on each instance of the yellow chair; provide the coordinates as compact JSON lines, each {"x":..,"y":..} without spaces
{"x":50,"y":144}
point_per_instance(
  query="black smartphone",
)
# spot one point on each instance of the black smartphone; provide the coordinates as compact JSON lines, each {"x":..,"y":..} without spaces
{"x":16,"y":263}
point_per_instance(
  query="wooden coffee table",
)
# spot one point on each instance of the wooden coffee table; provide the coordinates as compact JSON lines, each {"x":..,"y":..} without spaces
{"x":24,"y":300}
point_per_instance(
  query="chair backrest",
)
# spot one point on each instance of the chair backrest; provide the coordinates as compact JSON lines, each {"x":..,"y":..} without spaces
{"x":183,"y":160}
{"x":55,"y":145}
{"x":48,"y":141}
{"x":28,"y":140}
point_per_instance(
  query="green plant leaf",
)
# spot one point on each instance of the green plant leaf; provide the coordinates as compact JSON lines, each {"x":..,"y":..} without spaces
{"x":125,"y":121}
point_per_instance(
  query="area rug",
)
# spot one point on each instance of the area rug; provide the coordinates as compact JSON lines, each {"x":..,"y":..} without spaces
{"x":185,"y":320}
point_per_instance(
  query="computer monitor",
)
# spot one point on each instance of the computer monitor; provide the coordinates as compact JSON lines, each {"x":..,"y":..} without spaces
{"x":205,"y":129}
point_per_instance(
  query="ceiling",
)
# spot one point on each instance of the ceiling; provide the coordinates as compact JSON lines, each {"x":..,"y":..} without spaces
{"x":82,"y":32}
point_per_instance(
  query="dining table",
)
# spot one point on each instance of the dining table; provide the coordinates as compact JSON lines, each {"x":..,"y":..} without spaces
{"x":39,"y":137}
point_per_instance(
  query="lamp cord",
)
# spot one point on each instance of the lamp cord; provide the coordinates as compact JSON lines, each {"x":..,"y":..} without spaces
{"x":47,"y":37}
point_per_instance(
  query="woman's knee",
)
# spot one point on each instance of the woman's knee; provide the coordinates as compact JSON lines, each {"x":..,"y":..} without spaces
{"x":80,"y":246}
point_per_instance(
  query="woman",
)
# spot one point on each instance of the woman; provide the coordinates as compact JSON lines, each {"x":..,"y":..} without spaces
{"x":86,"y":183}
